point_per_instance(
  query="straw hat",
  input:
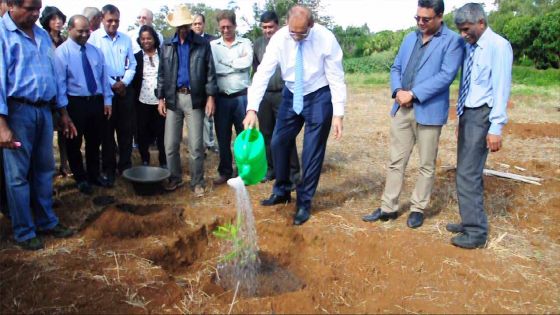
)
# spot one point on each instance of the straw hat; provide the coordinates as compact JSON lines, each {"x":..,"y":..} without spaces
{"x":181,"y":15}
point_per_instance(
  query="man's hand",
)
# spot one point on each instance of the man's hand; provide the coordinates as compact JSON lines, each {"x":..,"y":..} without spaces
{"x":107,"y":111}
{"x":210,"y":106}
{"x":66,"y":124}
{"x":119,"y":88}
{"x":337,"y":127}
{"x":250,"y":120}
{"x":493,"y":142}
{"x":161,"y":108}
{"x":404,"y":98}
{"x":7,"y":139}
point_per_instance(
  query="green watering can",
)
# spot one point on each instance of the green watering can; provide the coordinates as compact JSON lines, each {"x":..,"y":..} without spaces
{"x":250,"y":156}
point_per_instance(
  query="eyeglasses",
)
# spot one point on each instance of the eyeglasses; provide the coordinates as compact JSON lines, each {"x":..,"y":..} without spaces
{"x":423,"y":18}
{"x":300,"y":36}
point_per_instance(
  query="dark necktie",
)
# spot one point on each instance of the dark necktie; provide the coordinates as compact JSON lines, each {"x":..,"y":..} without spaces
{"x":466,"y":82}
{"x":88,"y":73}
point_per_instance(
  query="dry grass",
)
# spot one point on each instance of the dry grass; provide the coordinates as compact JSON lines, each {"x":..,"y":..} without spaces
{"x":521,"y":255}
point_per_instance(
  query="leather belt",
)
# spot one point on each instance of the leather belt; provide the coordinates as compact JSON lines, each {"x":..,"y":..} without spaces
{"x":87,"y":98}
{"x":232,"y":95}
{"x":39,"y":103}
{"x":184,"y":90}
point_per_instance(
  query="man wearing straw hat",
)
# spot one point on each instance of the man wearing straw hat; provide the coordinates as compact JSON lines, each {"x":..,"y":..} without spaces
{"x":186,"y":89}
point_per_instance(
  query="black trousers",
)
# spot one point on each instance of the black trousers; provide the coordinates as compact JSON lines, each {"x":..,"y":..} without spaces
{"x":122,"y":121}
{"x":268,"y":110}
{"x":87,"y":115}
{"x":150,"y":127}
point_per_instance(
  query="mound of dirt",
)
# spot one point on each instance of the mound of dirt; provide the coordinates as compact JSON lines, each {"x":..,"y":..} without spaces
{"x":129,"y":221}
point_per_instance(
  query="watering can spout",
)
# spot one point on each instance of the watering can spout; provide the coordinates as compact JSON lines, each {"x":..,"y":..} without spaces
{"x":235,"y":182}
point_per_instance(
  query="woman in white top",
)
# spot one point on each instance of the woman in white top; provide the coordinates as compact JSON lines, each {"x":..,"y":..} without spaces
{"x":150,"y":124}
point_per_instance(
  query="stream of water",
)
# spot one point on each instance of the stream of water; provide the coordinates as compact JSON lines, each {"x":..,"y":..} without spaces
{"x":242,"y":265}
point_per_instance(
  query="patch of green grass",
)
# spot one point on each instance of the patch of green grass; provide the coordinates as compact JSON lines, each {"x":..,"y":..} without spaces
{"x":367,"y":79}
{"x":367,"y":71}
{"x":533,"y":77}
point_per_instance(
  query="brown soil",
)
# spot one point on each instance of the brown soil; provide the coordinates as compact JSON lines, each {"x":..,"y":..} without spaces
{"x":528,"y":130}
{"x":157,"y":254}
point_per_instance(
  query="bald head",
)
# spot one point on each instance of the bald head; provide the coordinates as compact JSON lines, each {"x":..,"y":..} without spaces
{"x":145,"y":17}
{"x":300,"y":21}
{"x":78,"y":29}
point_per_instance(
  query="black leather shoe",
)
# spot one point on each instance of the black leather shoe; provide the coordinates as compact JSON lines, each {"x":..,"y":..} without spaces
{"x":380,"y":215}
{"x":85,"y":188}
{"x":415,"y":219}
{"x":276,"y":199}
{"x":468,"y":242}
{"x":31,"y":244}
{"x":302,"y":215}
{"x":454,"y":227}
{"x":59,"y":231}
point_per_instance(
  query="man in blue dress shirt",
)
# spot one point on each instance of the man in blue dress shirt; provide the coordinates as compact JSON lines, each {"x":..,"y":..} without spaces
{"x":481,"y":108}
{"x":119,"y":57}
{"x":27,"y":92}
{"x":83,"y":86}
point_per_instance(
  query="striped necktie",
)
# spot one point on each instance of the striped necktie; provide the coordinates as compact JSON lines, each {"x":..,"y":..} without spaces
{"x":298,"y":86}
{"x":466,"y":82}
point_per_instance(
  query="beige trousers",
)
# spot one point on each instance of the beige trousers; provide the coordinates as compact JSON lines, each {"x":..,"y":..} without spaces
{"x":405,"y":133}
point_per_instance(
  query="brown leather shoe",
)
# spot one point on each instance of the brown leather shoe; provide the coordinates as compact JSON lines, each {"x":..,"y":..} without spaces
{"x":221,"y":180}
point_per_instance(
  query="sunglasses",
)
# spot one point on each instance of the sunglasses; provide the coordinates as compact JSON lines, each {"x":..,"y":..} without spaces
{"x":423,"y":18}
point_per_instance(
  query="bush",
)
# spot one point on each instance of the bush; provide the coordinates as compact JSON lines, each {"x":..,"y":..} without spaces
{"x":379,"y":62}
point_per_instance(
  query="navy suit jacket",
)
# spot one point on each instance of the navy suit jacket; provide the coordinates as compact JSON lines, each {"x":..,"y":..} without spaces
{"x":436,"y":71}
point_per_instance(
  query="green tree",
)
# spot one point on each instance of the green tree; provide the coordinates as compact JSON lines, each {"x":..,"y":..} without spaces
{"x":545,"y":48}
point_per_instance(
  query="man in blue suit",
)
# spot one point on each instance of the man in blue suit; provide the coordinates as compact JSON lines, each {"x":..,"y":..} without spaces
{"x":424,"y":68}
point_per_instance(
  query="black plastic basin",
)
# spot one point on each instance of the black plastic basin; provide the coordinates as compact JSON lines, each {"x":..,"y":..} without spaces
{"x":146,"y":180}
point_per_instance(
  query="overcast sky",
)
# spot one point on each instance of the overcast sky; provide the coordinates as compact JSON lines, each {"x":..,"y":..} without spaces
{"x":378,"y":14}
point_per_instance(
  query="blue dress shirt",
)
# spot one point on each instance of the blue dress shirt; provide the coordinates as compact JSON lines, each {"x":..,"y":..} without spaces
{"x":26,"y":65}
{"x":491,"y":77}
{"x":183,"y":75}
{"x":71,"y":78}
{"x":118,"y":54}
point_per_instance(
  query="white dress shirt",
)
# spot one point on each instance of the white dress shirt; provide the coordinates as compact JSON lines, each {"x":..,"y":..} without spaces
{"x":322,"y":66}
{"x":491,"y":78}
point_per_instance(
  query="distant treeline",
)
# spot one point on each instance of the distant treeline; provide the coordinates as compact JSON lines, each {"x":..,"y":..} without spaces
{"x":532,"y":27}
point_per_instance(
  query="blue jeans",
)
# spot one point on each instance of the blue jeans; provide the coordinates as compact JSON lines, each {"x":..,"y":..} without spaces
{"x":29,"y":171}
{"x":229,"y":111}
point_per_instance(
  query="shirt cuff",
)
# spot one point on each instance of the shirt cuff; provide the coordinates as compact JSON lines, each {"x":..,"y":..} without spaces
{"x":108,"y":100}
{"x":495,"y":129}
{"x":338,"y":109}
{"x":252,"y":107}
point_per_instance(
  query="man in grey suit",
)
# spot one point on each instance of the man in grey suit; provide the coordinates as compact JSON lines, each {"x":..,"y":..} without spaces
{"x":481,"y":110}
{"x":424,"y":68}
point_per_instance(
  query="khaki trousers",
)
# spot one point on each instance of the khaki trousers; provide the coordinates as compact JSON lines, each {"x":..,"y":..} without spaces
{"x":405,"y":133}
